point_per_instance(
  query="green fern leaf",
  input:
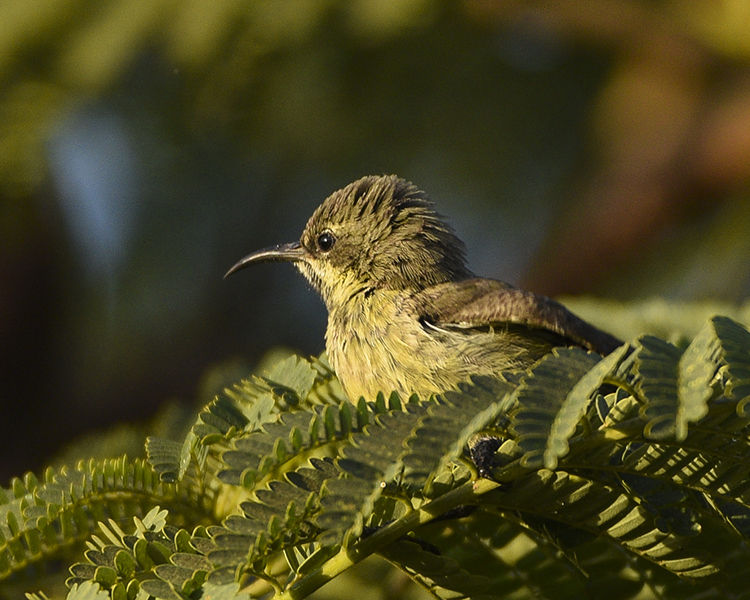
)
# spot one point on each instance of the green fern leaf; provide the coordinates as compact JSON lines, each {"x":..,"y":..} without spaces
{"x":540,"y":398}
{"x":575,"y":405}
{"x":160,"y":589}
{"x":305,"y":558}
{"x":611,"y":512}
{"x":697,"y":368}
{"x":243,"y":408}
{"x":327,"y":388}
{"x":489,"y":547}
{"x":166,"y":457}
{"x":291,"y":379}
{"x":735,"y":348}
{"x":657,"y":365}
{"x":277,"y":519}
{"x":228,"y":591}
{"x":88,"y":591}
{"x":256,"y":454}
{"x":442,"y":434}
{"x":649,"y":496}
{"x":68,"y":506}
{"x":372,"y":456}
{"x":439,"y":574}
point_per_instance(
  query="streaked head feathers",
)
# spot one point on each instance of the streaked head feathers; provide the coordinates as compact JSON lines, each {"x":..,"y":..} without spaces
{"x":386,"y":230}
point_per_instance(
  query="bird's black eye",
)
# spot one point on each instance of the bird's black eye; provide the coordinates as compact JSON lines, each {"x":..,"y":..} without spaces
{"x":326,"y":241}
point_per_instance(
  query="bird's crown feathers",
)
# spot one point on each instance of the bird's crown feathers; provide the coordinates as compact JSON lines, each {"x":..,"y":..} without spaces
{"x":385,"y":230}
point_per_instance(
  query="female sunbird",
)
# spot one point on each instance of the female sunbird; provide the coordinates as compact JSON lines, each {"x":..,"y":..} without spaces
{"x":404,"y":311}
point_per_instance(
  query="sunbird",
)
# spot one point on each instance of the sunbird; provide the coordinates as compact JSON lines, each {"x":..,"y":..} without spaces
{"x":405,"y":313}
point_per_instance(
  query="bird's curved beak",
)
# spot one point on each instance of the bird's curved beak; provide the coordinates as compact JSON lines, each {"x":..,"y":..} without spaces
{"x":293,"y":252}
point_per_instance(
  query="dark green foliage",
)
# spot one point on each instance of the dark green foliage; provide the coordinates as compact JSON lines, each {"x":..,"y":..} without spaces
{"x":622,"y":477}
{"x":547,"y":401}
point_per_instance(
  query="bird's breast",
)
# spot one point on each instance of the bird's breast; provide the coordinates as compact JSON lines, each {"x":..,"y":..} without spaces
{"x":382,"y":343}
{"x":371,"y":344}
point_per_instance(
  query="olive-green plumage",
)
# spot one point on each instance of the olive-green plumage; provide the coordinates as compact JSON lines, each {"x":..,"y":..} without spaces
{"x":404,"y":311}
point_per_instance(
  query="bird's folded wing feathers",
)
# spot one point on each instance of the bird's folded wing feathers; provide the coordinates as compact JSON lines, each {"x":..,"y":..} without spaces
{"x":482,"y":302}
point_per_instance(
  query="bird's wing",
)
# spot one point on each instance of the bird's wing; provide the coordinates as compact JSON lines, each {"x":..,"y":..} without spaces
{"x":486,"y":302}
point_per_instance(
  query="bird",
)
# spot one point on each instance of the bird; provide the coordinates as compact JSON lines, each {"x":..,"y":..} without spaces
{"x":405,"y":313}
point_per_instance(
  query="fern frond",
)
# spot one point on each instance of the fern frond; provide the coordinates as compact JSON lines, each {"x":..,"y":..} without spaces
{"x":293,"y":383}
{"x":157,"y":559}
{"x":623,"y":477}
{"x":47,"y":517}
{"x":605,"y":511}
{"x":372,"y":455}
{"x":540,"y":399}
{"x":276,"y":519}
{"x":443,"y":433}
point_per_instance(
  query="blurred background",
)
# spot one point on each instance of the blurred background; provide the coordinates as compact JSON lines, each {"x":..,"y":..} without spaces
{"x":579,"y":147}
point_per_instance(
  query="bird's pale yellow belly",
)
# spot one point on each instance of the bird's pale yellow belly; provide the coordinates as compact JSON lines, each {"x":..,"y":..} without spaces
{"x":378,"y":344}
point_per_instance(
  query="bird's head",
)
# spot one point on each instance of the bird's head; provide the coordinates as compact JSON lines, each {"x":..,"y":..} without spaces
{"x":376,"y":233}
